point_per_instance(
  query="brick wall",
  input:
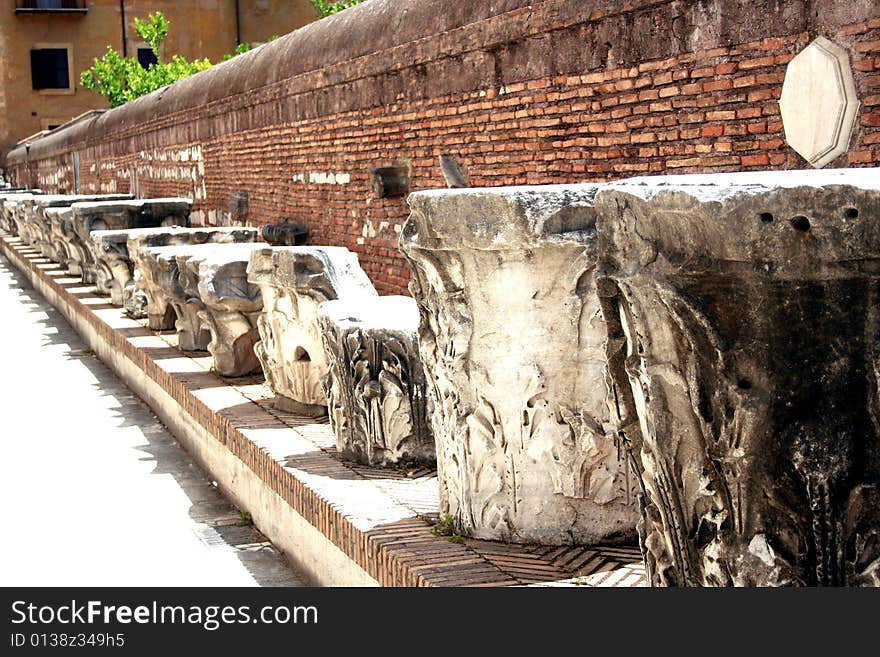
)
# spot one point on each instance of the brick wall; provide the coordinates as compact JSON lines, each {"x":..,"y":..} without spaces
{"x":518,"y":92}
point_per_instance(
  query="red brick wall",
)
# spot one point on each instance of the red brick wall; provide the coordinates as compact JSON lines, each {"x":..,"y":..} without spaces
{"x":558,"y":91}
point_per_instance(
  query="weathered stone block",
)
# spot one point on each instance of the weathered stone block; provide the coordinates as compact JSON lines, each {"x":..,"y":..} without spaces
{"x":9,"y":199}
{"x":145,"y":296}
{"x":112,"y":262}
{"x":511,"y":339}
{"x":179,"y":289}
{"x":21,"y":216}
{"x":743,"y":346}
{"x":65,"y":231}
{"x":18,"y":209}
{"x":193,"y":333}
{"x":232,"y":305}
{"x":39,"y":224}
{"x":375,"y":384}
{"x":294,"y":281}
{"x":60,"y":225}
{"x":115,"y":266}
{"x":205,"y":290}
{"x":120,"y":215}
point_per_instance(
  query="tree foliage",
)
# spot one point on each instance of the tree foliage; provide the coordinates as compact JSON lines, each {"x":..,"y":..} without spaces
{"x":326,"y":8}
{"x":121,"y":79}
{"x":153,"y":30}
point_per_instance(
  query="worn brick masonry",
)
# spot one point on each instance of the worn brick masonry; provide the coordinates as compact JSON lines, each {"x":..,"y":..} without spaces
{"x":553,"y":91}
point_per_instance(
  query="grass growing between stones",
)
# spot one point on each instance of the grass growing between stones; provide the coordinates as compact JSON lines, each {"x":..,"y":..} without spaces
{"x":446,"y":527}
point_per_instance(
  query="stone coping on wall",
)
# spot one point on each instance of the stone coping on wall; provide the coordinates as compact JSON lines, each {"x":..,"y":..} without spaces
{"x":379,"y":518}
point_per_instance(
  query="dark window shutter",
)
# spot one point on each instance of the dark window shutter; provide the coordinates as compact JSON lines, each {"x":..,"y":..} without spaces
{"x":49,"y":69}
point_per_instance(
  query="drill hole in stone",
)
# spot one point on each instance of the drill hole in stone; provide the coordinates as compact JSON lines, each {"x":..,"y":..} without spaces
{"x":744,"y":384}
{"x":766,"y":217}
{"x":800,"y":223}
{"x":851,"y":213}
{"x":301,"y":354}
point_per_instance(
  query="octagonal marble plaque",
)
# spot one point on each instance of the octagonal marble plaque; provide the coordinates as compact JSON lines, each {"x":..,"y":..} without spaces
{"x":818,"y":102}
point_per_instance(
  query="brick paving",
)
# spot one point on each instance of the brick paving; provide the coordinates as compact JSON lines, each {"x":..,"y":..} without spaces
{"x":96,"y":491}
{"x":380,"y":517}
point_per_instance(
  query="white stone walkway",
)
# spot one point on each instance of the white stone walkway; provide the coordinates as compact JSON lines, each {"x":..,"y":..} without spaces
{"x":94,"y":491}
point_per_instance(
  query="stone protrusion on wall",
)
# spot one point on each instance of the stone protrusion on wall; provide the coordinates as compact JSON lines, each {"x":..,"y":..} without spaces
{"x":743,"y":349}
{"x":239,"y":208}
{"x":286,"y":234}
{"x":512,"y":342}
{"x":143,"y":297}
{"x":452,"y":172}
{"x":375,"y":385}
{"x":294,"y":281}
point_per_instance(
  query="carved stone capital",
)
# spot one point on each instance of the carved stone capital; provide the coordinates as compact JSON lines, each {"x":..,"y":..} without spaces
{"x":294,"y":281}
{"x":9,"y":203}
{"x":156,"y":284}
{"x":743,"y":346}
{"x":59,"y":243}
{"x":122,"y":215}
{"x":231,"y":305}
{"x":112,"y":264}
{"x":40,"y":229}
{"x":9,"y":199}
{"x":169,"y":273}
{"x":511,"y":339}
{"x":22,"y":214}
{"x":142,"y":297}
{"x":375,"y":383}
{"x":204,"y":289}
